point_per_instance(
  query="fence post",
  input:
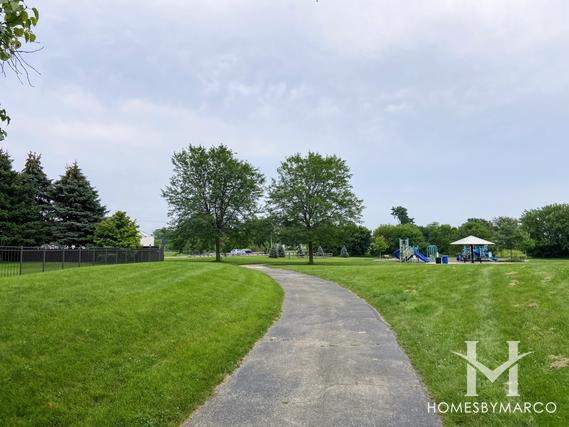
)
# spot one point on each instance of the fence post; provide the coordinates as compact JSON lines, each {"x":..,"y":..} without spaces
{"x":116,"y":256}
{"x":21,"y":258}
{"x":43,"y":261}
{"x":94,"y":255}
{"x":63,"y":259}
{"x":106,"y":256}
{"x":79,"y":256}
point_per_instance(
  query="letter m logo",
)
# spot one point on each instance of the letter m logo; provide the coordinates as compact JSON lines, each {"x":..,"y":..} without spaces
{"x":474,"y":365}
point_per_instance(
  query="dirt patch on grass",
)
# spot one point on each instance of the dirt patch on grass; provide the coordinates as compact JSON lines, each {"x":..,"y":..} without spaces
{"x":513,"y":283}
{"x":558,"y":361}
{"x":533,"y":305}
{"x":511,"y":273}
{"x":547,"y":277}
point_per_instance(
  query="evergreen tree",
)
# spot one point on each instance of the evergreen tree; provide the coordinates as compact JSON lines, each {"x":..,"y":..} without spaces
{"x":117,"y":231}
{"x":17,"y":207}
{"x":76,"y":208}
{"x":320,"y":251}
{"x":39,"y":186}
{"x":273,"y":253}
{"x":8,"y":178}
{"x":344,"y":252}
{"x":281,"y":250}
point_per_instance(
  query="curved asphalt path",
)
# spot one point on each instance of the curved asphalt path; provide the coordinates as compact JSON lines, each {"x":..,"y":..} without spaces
{"x":330,"y":360}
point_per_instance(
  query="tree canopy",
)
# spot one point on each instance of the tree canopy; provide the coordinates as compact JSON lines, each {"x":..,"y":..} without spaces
{"x":17,"y":23}
{"x":402,"y":215}
{"x":76,"y":209}
{"x":392,"y":234}
{"x":38,"y":185}
{"x":478,"y":227}
{"x":311,"y":192}
{"x":213,"y":189}
{"x":548,"y":227}
{"x":117,"y":231}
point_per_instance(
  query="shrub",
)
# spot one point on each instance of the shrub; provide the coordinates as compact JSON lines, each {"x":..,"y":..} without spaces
{"x":273,"y":253}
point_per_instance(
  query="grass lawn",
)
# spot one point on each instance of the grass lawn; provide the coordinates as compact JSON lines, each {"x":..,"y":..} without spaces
{"x":128,"y":345}
{"x":434,"y":309}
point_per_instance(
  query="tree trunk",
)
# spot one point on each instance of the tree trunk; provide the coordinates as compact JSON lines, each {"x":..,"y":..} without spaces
{"x":310,"y":253}
{"x":217,"y":249}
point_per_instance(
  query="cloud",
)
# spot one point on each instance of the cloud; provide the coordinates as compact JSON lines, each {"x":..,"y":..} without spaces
{"x":412,"y":95}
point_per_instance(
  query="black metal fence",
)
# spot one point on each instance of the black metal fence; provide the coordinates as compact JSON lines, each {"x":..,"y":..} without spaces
{"x":20,"y":260}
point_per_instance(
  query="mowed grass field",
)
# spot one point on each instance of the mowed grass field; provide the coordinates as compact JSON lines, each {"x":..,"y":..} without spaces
{"x":434,"y":309}
{"x":128,"y":345}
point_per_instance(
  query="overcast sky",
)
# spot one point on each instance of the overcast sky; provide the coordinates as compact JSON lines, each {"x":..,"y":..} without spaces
{"x":454,"y":109}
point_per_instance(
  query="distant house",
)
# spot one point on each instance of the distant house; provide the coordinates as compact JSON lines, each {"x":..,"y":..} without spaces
{"x":146,"y":240}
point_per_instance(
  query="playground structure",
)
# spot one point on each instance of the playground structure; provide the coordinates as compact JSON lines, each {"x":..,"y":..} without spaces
{"x":432,"y":251}
{"x":474,"y":249}
{"x":409,"y":253}
{"x":481,"y":253}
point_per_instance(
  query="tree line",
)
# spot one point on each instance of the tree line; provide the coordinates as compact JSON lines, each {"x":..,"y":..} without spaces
{"x":541,"y":232}
{"x":217,"y":201}
{"x":66,"y":212}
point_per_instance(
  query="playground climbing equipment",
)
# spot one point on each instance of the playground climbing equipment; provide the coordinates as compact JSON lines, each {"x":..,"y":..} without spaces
{"x":408,"y":253}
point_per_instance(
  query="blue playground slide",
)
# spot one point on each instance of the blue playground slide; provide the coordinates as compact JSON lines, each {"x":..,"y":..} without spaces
{"x":417,"y":254}
{"x":421,"y":256}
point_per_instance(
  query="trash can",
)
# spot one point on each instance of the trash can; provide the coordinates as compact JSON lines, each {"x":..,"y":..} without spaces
{"x":438,"y":260}
{"x":445,"y":259}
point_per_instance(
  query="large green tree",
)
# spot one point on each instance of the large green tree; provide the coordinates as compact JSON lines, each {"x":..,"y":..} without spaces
{"x":441,"y":235}
{"x":356,"y":238}
{"x":117,"y":231}
{"x":510,"y":235}
{"x":548,"y":227}
{"x":478,"y":227}
{"x":17,"y":23}
{"x":213,"y":190}
{"x":39,"y":185}
{"x":76,"y":209}
{"x":19,"y":215}
{"x":401,"y":214}
{"x":379,"y":245}
{"x":311,"y":192}
{"x":8,"y":195}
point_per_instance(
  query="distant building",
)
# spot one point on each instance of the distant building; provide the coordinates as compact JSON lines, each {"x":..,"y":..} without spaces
{"x":146,"y":240}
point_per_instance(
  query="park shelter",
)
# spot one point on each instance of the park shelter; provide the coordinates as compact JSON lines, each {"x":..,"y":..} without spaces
{"x":472,"y":241}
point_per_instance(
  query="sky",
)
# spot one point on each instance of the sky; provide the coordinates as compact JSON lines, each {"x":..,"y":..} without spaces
{"x":453,"y":109}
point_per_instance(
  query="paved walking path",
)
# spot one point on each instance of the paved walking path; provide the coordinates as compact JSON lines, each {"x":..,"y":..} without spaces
{"x":330,"y":360}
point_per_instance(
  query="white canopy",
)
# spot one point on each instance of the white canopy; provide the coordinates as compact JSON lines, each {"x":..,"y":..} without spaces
{"x":472,"y":240}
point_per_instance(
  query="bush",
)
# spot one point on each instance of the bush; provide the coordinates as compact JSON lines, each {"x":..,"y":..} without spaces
{"x":344,"y":252}
{"x":281,"y":251}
